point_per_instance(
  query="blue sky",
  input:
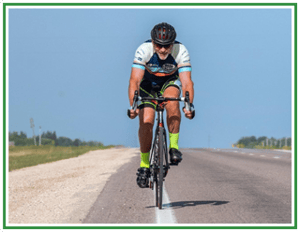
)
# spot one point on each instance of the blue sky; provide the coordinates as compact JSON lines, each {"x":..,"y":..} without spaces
{"x":69,"y":70}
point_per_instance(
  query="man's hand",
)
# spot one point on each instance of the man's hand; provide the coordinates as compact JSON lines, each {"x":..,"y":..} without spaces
{"x":133,"y":113}
{"x":189,"y":114}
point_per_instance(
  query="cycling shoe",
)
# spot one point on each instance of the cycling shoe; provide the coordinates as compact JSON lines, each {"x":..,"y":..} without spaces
{"x":142,"y":179}
{"x":175,"y":156}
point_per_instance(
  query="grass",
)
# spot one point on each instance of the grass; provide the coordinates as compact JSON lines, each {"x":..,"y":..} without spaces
{"x":27,"y":156}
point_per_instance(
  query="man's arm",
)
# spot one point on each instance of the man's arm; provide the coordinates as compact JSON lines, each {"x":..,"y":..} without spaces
{"x":134,"y":84}
{"x":187,"y":85}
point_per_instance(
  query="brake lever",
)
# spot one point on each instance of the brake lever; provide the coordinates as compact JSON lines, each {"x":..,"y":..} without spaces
{"x":187,"y":104}
{"x":187,"y":101}
{"x":134,"y":104}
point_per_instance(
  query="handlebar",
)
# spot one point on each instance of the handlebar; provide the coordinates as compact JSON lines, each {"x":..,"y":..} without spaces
{"x":161,"y":99}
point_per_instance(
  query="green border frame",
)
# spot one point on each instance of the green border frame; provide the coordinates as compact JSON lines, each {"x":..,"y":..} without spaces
{"x":149,"y":4}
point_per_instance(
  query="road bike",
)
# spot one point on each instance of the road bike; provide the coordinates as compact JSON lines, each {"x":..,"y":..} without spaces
{"x":159,"y":164}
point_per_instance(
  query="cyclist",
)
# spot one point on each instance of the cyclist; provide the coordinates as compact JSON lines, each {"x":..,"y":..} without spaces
{"x":161,"y":65}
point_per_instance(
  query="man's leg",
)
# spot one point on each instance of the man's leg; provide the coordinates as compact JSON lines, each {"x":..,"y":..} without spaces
{"x":146,"y":117}
{"x":173,"y":121}
{"x":173,"y":111}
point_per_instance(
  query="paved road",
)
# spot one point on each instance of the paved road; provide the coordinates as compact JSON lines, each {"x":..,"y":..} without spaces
{"x":209,"y":186}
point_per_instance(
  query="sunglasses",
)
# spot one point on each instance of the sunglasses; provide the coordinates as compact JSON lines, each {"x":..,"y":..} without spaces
{"x":159,"y":46}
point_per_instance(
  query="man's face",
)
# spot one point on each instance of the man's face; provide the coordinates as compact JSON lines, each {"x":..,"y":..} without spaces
{"x":162,"y":51}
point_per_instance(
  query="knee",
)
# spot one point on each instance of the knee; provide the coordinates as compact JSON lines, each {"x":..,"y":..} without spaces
{"x":146,"y":128}
{"x":173,"y":109}
{"x":147,"y":122}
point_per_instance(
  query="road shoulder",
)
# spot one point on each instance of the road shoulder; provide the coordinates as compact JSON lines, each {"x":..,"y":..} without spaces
{"x":63,"y":191}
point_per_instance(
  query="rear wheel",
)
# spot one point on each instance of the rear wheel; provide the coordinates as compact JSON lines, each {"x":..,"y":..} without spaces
{"x":161,"y":169}
{"x":156,"y":191}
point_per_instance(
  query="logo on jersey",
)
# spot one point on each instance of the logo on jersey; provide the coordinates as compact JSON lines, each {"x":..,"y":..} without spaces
{"x":166,"y":68}
{"x":138,"y":58}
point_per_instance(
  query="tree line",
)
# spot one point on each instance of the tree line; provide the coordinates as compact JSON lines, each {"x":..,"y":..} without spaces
{"x":49,"y":138}
{"x":263,"y":141}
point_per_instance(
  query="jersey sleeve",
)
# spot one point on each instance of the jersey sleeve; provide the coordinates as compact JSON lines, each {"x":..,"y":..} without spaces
{"x":142,"y":56}
{"x":184,"y":63}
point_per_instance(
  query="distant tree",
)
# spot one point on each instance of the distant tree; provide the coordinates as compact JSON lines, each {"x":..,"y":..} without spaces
{"x":49,"y":135}
{"x":247,"y":141}
{"x":64,"y":142}
{"x":54,"y":137}
{"x":19,"y":139}
{"x":46,"y":141}
{"x":252,"y":142}
{"x":23,"y":135}
{"x":13,"y":136}
{"x":45,"y":135}
{"x":100,"y":144}
{"x":91,"y":143}
{"x":76,"y":142}
{"x":252,"y":139}
{"x":261,"y":139}
{"x":48,"y":138}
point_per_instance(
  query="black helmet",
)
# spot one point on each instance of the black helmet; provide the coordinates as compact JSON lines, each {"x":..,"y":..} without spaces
{"x":163,"y":34}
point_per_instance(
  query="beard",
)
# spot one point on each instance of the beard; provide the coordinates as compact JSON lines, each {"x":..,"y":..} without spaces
{"x":163,"y":56}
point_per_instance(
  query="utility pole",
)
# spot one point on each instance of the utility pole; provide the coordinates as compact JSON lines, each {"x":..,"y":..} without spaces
{"x":40,"y":140}
{"x":286,"y":141}
{"x":32,"y":126}
{"x":267,"y":142}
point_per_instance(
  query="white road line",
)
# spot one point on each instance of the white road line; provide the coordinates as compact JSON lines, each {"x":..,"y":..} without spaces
{"x":250,"y":154}
{"x":165,"y":215}
{"x":262,"y":155}
{"x":289,"y":151}
{"x":276,"y":157}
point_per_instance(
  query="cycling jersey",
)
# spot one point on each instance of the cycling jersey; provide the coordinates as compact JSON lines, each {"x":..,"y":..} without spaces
{"x":147,"y":59}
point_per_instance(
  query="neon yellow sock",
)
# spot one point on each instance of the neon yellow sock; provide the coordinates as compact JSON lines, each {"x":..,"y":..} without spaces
{"x":145,"y":160}
{"x":174,"y":140}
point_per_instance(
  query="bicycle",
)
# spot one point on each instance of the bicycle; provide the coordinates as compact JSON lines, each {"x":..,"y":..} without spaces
{"x":159,"y":165}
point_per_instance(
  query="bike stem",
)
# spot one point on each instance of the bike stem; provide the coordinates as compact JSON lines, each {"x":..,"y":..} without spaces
{"x":160,"y":120}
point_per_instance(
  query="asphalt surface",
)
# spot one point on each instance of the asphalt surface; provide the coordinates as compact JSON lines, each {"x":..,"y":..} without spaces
{"x":209,"y":186}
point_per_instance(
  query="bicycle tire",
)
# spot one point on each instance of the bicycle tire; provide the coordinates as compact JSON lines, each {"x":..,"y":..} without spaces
{"x":161,"y":168}
{"x":156,"y":191}
{"x":166,"y":163}
{"x":155,"y":149}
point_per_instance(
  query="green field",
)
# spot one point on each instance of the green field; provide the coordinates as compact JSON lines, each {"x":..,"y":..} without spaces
{"x":26,"y":156}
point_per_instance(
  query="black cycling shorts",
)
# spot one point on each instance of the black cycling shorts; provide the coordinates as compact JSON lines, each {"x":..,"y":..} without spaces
{"x":150,"y":87}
